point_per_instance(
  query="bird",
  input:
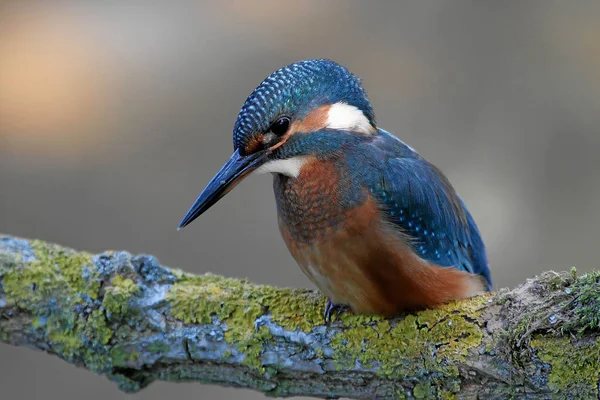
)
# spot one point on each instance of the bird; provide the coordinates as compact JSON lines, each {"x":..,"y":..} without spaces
{"x":378,"y":229}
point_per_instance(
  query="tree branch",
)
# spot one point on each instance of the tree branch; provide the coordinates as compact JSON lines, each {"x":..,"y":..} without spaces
{"x":135,"y":321}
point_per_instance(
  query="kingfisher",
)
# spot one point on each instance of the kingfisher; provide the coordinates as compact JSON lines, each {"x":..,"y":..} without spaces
{"x":376,"y":227}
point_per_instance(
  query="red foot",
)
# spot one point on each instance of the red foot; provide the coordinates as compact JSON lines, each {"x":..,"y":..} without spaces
{"x":330,"y":307}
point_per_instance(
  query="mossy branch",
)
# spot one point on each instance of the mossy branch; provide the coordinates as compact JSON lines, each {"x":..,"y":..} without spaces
{"x":135,"y":321}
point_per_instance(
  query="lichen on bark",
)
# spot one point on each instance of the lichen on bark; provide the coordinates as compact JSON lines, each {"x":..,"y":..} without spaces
{"x":136,"y":321}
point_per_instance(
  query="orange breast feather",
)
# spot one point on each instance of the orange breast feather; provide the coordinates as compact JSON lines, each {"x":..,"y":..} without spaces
{"x":357,"y":259}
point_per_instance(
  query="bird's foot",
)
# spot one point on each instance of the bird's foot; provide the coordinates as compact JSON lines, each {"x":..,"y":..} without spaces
{"x":330,"y":307}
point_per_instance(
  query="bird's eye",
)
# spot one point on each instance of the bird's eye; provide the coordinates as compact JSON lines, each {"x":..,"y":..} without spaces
{"x":281,"y":126}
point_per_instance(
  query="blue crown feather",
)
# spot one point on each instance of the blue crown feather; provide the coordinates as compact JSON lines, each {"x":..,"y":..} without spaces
{"x":293,"y":91}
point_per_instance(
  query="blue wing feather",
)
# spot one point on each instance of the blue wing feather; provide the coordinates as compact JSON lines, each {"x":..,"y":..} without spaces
{"x":419,"y":201}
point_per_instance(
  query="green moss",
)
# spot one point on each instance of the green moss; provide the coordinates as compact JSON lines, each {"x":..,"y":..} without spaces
{"x":573,"y":303}
{"x":446,"y":395}
{"x":556,"y":331}
{"x":554,"y":314}
{"x":119,"y":357}
{"x":158,"y":347}
{"x":56,"y":270}
{"x":196,"y":299}
{"x":8,"y":262}
{"x":38,"y":322}
{"x":319,"y":352}
{"x":586,"y":307}
{"x":574,"y":365}
{"x":423,"y":390}
{"x":96,"y":328}
{"x":118,"y":296}
{"x":251,"y":346}
{"x":123,"y":357}
{"x":63,"y":295}
{"x":126,"y":384}
{"x":70,"y":334}
{"x":521,"y":327}
{"x":55,"y":288}
{"x":489,"y":347}
{"x":430,"y":340}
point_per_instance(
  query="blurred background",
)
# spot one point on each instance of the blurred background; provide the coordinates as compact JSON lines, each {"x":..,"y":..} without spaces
{"x":114,"y":115}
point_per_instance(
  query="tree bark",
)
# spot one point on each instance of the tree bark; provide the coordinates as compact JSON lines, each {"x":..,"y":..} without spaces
{"x":136,"y":321}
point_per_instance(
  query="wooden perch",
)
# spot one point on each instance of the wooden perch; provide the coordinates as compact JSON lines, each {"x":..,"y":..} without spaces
{"x":135,"y":321}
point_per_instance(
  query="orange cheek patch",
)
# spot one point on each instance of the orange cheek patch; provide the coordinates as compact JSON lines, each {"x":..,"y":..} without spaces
{"x":253,"y":145}
{"x":314,"y":121}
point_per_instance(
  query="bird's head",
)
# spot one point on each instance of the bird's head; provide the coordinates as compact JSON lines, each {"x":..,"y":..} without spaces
{"x":301,"y":110}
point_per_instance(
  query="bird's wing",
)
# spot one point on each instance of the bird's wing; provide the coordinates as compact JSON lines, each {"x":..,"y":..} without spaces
{"x":419,"y":201}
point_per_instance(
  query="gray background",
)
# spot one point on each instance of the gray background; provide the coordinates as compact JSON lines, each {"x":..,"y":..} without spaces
{"x":114,"y":116}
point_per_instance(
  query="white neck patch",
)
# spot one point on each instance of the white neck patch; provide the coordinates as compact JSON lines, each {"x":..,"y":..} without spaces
{"x":343,"y":116}
{"x":289,"y":167}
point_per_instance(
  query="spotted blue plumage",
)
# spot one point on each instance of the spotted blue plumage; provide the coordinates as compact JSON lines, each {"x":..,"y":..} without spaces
{"x":417,"y":199}
{"x":293,"y":91}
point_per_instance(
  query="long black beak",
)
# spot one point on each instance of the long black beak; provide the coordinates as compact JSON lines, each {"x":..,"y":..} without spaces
{"x":230,"y":174}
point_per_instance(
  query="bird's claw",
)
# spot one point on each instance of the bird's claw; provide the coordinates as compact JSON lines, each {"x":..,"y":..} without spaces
{"x":330,"y":307}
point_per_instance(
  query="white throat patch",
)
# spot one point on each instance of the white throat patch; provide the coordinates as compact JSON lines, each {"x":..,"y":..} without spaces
{"x":345,"y":117}
{"x":289,"y":167}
